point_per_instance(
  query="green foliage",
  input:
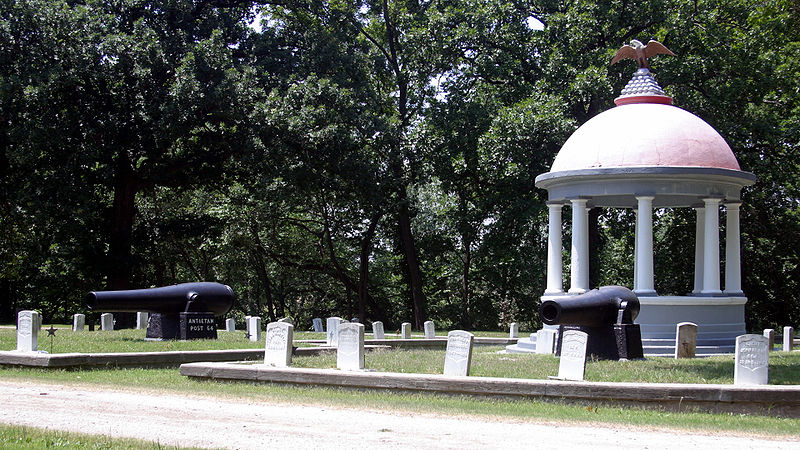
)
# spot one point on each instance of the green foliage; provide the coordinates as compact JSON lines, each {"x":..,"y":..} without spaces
{"x":372,"y":159}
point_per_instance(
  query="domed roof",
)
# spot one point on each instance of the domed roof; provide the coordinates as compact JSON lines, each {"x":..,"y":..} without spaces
{"x":645,"y":135}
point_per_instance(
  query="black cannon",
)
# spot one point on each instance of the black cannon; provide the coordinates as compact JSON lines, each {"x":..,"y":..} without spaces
{"x":182,"y":311}
{"x":605,"y":314}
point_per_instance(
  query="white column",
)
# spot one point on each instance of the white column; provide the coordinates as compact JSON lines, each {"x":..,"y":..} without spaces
{"x":733,"y":267}
{"x":711,"y":246}
{"x":644,"y":240}
{"x":699,"y":249}
{"x":636,"y":250}
{"x":579,"y":257}
{"x":554,"y":248}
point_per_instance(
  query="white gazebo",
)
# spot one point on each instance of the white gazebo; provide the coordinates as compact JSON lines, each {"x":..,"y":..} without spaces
{"x":645,"y":154}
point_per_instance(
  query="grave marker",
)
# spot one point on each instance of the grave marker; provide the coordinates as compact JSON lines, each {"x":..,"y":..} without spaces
{"x":769,"y":333}
{"x":141,"y":320}
{"x":751,"y":363}
{"x":107,"y":322}
{"x":230,"y":325}
{"x":247,"y":325}
{"x":27,"y":331}
{"x":513,"y":330}
{"x":350,"y":348}
{"x":317,"y":323}
{"x":332,"y":335}
{"x":377,"y":330}
{"x":788,"y":338}
{"x":546,"y":341}
{"x":572,"y":365}
{"x":685,"y":340}
{"x":405,"y":330}
{"x":78,"y":322}
{"x":458,"y":355}
{"x":278,"y":348}
{"x":430,"y":330}
{"x":255,"y":328}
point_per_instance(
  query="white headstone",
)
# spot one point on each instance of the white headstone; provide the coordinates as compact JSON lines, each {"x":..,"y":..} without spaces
{"x":458,"y":355}
{"x":769,"y":333}
{"x":377,"y":330}
{"x":141,"y":320}
{"x":430,"y":330}
{"x":278,"y":350}
{"x":788,"y":338}
{"x":318,"y":328}
{"x":685,"y":340}
{"x":751,"y":363}
{"x":38,"y":320}
{"x":247,"y":324}
{"x":78,"y":322}
{"x":546,"y":341}
{"x":107,"y":322}
{"x":27,"y":331}
{"x":350,"y":348}
{"x":255,"y":328}
{"x":332,"y":335}
{"x":230,"y":325}
{"x":405,"y":331}
{"x":572,"y":365}
{"x":513,"y":330}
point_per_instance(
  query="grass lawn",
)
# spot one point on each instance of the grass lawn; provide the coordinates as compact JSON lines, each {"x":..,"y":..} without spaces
{"x":13,"y":437}
{"x":784,"y":369}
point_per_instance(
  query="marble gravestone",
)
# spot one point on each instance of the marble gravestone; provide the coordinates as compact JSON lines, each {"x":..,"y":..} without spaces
{"x":377,"y":330}
{"x":141,"y":320}
{"x":255,"y":328}
{"x":572,"y":365}
{"x":317,"y":324}
{"x":769,"y":333}
{"x":405,"y":330}
{"x":230,"y":325}
{"x":78,"y":322}
{"x":332,"y":333}
{"x":107,"y":322}
{"x":685,"y":340}
{"x":38,"y":324}
{"x":513,"y":330}
{"x":278,"y":348}
{"x":788,"y":338}
{"x":751,"y":363}
{"x":247,"y":324}
{"x":27,"y":331}
{"x":458,"y":354}
{"x":546,"y":341}
{"x":350,"y":346}
{"x":430,"y":330}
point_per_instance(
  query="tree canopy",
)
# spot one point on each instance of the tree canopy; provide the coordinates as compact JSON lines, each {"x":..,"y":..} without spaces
{"x":363,"y":158}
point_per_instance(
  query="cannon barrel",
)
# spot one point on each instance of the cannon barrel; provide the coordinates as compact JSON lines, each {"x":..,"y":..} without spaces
{"x":187,"y":297}
{"x":604,"y":306}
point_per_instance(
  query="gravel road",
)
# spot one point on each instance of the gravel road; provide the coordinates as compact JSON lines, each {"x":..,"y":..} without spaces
{"x":225,"y":423}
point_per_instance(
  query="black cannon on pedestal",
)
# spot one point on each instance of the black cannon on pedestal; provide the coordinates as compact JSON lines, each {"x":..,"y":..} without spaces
{"x":183,"y":311}
{"x":605,"y":314}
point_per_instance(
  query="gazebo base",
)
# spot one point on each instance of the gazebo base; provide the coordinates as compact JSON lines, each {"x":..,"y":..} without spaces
{"x":719,"y":321}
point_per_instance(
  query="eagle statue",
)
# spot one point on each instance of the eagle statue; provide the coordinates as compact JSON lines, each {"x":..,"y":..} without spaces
{"x":640,"y":52}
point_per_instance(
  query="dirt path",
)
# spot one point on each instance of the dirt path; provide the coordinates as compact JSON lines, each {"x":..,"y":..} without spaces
{"x":194,"y":421}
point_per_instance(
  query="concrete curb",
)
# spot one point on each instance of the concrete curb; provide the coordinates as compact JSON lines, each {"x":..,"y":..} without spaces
{"x":771,"y":400}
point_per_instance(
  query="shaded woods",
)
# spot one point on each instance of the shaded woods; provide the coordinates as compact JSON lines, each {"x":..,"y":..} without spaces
{"x":370,"y":159}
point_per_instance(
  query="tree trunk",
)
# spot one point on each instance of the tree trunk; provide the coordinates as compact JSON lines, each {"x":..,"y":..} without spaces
{"x":121,"y":234}
{"x":363,"y":274}
{"x":412,"y":263}
{"x":467,"y":263}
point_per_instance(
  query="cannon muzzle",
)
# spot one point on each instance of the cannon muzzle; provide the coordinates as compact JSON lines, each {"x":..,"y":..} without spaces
{"x":187,"y":297}
{"x":604,"y":306}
